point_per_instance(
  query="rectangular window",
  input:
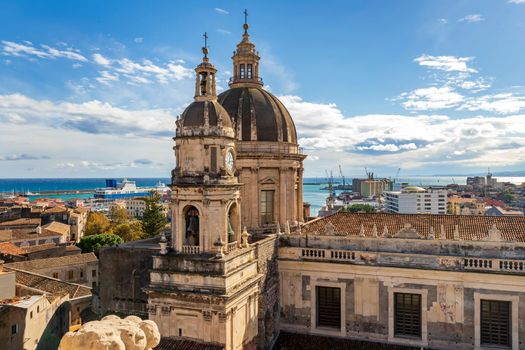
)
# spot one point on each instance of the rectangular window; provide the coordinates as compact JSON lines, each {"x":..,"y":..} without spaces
{"x":70,"y":275}
{"x":250,"y":71}
{"x":55,"y":275}
{"x":81,"y":273}
{"x":495,"y":323}
{"x":407,"y":315}
{"x":14,"y":329}
{"x":328,"y":307}
{"x":242,"y":72}
{"x":93,"y":273}
{"x":213,"y":159}
{"x":267,"y":207}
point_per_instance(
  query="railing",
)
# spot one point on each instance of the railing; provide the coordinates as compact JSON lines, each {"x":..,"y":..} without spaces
{"x":230,"y":247}
{"x":480,"y":264}
{"x":494,"y":264}
{"x":190,"y":249}
{"x":510,"y":265}
{"x":268,"y":148}
{"x":245,"y":80}
{"x":327,"y":254}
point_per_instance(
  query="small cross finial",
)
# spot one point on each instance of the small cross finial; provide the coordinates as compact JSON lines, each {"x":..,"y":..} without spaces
{"x":205,"y":48}
{"x":245,"y":16}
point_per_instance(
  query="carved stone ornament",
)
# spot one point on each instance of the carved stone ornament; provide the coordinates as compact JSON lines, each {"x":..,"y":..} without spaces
{"x":328,"y":229}
{"x":408,"y":232}
{"x":207,"y":315}
{"x":494,"y":234}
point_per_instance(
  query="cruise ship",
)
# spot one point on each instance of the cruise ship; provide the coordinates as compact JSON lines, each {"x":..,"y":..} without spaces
{"x":127,"y":189}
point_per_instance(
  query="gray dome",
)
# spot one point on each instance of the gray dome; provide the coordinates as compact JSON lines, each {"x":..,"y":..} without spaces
{"x":193,"y":115}
{"x":272,"y":120}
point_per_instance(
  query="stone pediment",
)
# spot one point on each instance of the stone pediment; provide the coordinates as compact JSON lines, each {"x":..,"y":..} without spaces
{"x":407,"y":232}
{"x":268,"y":181}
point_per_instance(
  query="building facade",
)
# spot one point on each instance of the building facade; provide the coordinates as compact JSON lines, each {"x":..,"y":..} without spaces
{"x":416,"y":200}
{"x":465,"y":206}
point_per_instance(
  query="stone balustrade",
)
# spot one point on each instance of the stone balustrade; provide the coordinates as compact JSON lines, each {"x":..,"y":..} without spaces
{"x":230,"y":247}
{"x":190,"y":249}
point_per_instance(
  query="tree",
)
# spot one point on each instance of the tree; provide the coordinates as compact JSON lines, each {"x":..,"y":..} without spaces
{"x":153,"y":220}
{"x":118,"y":216}
{"x":360,"y":208}
{"x":130,"y":231}
{"x":97,"y":223}
{"x":93,"y":243}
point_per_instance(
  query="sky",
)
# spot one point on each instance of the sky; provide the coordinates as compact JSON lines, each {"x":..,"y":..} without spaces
{"x":92,"y":88}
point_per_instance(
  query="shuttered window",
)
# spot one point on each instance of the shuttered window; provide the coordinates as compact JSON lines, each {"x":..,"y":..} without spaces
{"x":495,"y":323}
{"x":328,"y":307}
{"x":407,"y":315}
{"x":213,"y":160}
{"x":267,"y":207}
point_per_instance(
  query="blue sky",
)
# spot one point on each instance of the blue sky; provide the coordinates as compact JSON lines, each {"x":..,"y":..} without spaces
{"x":92,"y":89}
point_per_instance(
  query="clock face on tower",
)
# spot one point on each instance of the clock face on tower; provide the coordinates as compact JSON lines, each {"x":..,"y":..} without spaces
{"x":229,"y":162}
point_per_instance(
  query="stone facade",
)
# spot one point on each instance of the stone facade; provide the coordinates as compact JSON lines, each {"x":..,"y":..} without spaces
{"x":451,"y":275}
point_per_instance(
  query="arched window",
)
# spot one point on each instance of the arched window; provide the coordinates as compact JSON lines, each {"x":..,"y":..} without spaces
{"x":191,"y":227}
{"x":233,"y":223}
{"x":250,"y":69}
{"x":243,"y":72}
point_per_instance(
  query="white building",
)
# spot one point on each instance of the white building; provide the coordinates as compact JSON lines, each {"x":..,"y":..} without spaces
{"x":416,"y":200}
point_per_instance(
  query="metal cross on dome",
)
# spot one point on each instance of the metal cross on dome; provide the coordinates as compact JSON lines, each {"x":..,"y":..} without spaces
{"x":245,"y":16}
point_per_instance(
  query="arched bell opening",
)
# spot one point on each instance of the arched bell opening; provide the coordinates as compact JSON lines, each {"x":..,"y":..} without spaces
{"x":233,"y":224}
{"x":191,"y":226}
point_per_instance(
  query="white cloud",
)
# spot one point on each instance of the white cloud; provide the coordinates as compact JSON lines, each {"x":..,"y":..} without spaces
{"x":431,"y":98}
{"x":46,"y":52}
{"x":443,"y":20}
{"x":93,"y":117}
{"x":419,"y":141}
{"x":99,"y":59}
{"x":446,"y":63}
{"x":504,"y":103}
{"x":517,"y":1}
{"x":224,"y":31}
{"x":472,"y":18}
{"x":221,"y":11}
{"x":139,"y":40}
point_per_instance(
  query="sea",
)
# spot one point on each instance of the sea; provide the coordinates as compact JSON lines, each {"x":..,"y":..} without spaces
{"x":313,"y":191}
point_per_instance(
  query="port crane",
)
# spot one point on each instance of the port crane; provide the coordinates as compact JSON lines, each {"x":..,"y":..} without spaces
{"x":342,"y":177}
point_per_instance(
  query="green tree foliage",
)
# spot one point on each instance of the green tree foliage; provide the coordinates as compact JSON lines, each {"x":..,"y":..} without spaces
{"x":97,"y":223}
{"x":93,"y":243}
{"x":153,"y":220}
{"x":118,"y":216}
{"x":129,"y":231}
{"x":360,"y":208}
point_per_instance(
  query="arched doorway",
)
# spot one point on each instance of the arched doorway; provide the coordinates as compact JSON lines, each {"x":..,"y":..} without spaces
{"x":191,"y":226}
{"x":233,"y":225}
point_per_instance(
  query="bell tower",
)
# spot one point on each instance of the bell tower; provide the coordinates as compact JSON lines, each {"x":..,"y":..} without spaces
{"x":245,"y":61}
{"x":205,"y":286}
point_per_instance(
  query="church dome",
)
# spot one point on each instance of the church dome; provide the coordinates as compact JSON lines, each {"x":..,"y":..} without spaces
{"x":194,"y":115}
{"x":261,"y":115}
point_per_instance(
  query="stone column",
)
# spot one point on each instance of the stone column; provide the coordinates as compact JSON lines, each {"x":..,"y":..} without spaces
{"x":282,"y":215}
{"x":300,"y":217}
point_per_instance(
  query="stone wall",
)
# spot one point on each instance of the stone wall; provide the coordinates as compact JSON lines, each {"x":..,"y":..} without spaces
{"x":124,"y":272}
{"x":268,"y":322}
{"x":450,"y":302}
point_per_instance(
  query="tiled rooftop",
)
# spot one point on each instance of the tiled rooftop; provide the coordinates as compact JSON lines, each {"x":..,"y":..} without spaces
{"x":38,"y":248}
{"x":292,"y":341}
{"x":9,"y":248}
{"x":57,"y":227}
{"x":38,"y":264}
{"x":21,"y":222}
{"x":469,"y":227}
{"x":50,"y":285}
{"x":185,"y":344}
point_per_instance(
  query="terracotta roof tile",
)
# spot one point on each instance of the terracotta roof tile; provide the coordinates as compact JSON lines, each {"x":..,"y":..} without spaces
{"x":50,"y":285}
{"x":470,"y":227}
{"x":57,"y":227}
{"x":22,"y":221}
{"x":10,"y":249}
{"x":185,"y":344}
{"x":37,"y":264}
{"x":292,"y":341}
{"x":40,"y":247}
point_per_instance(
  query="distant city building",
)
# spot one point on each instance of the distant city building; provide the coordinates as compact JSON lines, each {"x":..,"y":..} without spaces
{"x":499,"y":211}
{"x":371,"y":187}
{"x":476,"y":181}
{"x":416,"y":200}
{"x":465,"y":206}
